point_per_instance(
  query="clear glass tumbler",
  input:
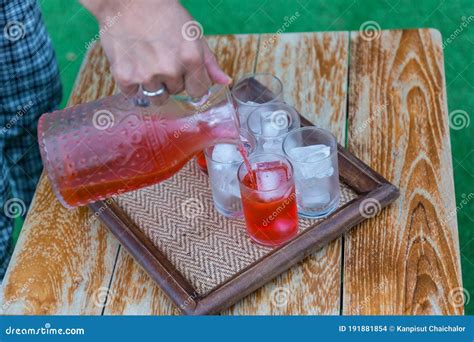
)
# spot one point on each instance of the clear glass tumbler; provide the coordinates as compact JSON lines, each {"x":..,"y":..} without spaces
{"x":253,"y":90}
{"x":223,"y":161}
{"x":270,"y":123}
{"x":313,"y":153}
{"x":269,"y":199}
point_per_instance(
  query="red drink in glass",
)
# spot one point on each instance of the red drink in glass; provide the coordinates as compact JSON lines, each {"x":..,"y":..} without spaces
{"x":269,"y":199}
{"x":201,"y":162}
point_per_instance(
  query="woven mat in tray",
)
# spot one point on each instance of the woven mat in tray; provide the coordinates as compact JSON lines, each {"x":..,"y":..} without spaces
{"x":179,"y":217}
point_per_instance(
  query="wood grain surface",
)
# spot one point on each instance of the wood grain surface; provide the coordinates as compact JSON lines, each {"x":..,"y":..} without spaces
{"x":405,"y":260}
{"x":132,"y":291}
{"x":313,"y":69}
{"x":64,"y":259}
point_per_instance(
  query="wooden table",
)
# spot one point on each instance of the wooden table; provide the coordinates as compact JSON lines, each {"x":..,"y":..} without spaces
{"x":384,"y":97}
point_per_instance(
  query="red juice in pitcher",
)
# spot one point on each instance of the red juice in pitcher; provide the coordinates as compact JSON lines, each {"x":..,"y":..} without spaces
{"x":269,"y":199}
{"x":110,"y":146}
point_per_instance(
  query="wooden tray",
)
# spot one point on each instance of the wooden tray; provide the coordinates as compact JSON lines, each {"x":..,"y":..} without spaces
{"x":205,"y":262}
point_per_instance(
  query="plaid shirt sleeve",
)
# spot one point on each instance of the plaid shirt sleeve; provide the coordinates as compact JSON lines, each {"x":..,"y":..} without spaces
{"x":29,"y":86}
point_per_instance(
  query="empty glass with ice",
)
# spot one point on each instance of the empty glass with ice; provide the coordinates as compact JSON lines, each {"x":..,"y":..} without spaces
{"x":270,"y":123}
{"x":313,"y":153}
{"x":253,"y":90}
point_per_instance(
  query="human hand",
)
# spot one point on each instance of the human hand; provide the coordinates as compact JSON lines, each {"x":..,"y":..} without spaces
{"x":147,"y":44}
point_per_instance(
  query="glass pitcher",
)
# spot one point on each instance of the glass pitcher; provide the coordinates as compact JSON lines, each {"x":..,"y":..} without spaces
{"x":117,"y":144}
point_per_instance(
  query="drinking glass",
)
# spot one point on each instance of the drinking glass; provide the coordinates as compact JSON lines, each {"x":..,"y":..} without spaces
{"x":313,"y":153}
{"x":270,"y":123}
{"x":223,"y":161}
{"x":201,"y":162}
{"x":253,"y":90}
{"x":268,"y":199}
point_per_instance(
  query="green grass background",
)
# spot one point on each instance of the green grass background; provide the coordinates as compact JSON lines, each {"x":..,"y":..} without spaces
{"x":71,"y":27}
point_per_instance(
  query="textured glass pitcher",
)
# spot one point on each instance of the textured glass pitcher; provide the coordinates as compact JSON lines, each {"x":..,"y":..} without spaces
{"x":117,"y":144}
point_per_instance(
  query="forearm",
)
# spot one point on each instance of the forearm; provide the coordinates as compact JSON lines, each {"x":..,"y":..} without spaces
{"x":102,"y":9}
{"x":146,"y":46}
